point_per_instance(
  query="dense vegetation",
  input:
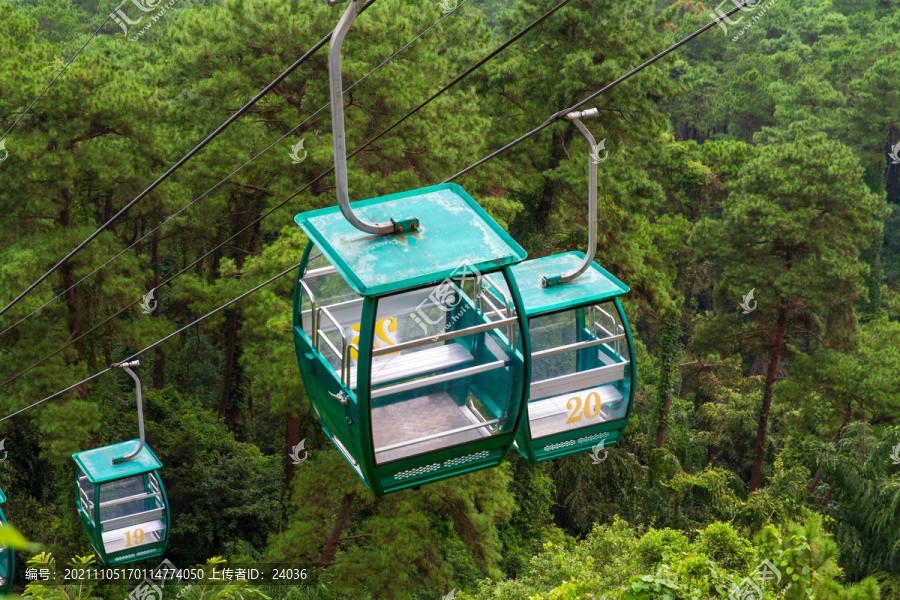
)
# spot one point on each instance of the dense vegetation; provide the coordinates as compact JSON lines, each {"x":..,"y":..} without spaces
{"x":749,"y":159}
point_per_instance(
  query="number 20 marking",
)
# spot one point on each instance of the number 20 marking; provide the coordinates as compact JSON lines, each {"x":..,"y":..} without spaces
{"x":138,"y":537}
{"x":576,"y":412}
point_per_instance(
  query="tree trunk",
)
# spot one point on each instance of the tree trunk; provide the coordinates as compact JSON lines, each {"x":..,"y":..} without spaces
{"x":759,"y":450}
{"x":72,"y":309}
{"x":159,"y":360}
{"x":293,"y":421}
{"x":661,"y":430}
{"x":814,"y":481}
{"x":667,"y":350}
{"x":892,"y":173}
{"x":827,"y":497}
{"x":545,"y":207}
{"x":339,"y":524}
{"x":229,"y":363}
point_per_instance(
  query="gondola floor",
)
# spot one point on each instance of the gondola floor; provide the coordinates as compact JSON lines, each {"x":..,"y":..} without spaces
{"x":418,"y":418}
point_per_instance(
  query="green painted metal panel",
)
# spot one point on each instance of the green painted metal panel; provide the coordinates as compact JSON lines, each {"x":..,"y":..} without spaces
{"x":453,"y":231}
{"x":576,"y":444}
{"x":97,"y":463}
{"x":7,"y":558}
{"x":633,"y":366}
{"x":592,"y":286}
{"x":582,"y":439}
{"x":141,"y":553}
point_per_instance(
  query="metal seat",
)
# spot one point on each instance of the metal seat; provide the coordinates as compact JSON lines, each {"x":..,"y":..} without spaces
{"x":407,"y":366}
{"x":117,"y":540}
{"x":578,"y":381}
{"x":555,"y":414}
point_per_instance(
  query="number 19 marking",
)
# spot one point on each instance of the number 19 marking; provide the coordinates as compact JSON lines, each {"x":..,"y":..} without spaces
{"x":138,"y":537}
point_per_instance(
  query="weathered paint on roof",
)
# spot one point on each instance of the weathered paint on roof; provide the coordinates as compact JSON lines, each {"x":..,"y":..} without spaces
{"x":453,"y":231}
{"x":97,"y":463}
{"x":592,"y":286}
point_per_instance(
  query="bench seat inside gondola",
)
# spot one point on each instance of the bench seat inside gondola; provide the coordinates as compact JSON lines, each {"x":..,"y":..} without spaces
{"x":550,"y":415}
{"x":123,"y":538}
{"x":569,"y":401}
{"x":395,"y":367}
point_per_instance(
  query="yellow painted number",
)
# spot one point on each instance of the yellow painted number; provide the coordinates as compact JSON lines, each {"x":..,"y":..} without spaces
{"x":383,"y":328}
{"x":577,"y":414}
{"x":587,"y":403}
{"x":138,"y":536}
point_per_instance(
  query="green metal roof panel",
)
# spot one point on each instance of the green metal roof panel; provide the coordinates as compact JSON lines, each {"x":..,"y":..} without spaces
{"x":453,"y":231}
{"x":97,"y":463}
{"x":594,"y":285}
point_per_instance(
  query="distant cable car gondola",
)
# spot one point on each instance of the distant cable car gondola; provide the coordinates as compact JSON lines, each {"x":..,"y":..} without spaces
{"x":7,"y":558}
{"x":412,"y":376}
{"x":582,"y":356}
{"x":122,"y":504}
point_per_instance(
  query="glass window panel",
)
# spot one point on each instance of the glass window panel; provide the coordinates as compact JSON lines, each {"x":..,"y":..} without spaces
{"x":444,"y":392}
{"x":583,"y":386}
{"x":86,"y":494}
{"x":4,"y":564}
{"x":132,"y":512}
{"x":331,"y":292}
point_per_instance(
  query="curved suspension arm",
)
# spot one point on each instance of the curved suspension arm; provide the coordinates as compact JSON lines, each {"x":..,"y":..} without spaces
{"x":337,"y":127}
{"x":592,"y":202}
{"x":140,"y":410}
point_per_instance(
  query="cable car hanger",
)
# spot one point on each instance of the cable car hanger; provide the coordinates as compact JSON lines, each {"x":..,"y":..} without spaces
{"x":592,"y":203}
{"x":140,"y":410}
{"x":122,"y":503}
{"x":337,"y":127}
{"x":414,"y":374}
{"x":582,"y":372}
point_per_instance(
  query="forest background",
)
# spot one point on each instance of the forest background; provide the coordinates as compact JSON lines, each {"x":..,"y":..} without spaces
{"x":753,"y":158}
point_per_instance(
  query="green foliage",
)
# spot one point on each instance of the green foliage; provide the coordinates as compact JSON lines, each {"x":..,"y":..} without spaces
{"x":654,"y":547}
{"x":56,"y":590}
{"x":223,"y":491}
{"x":755,"y":160}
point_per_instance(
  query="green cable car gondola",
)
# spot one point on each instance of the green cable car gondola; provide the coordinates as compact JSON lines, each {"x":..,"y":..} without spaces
{"x":582,"y":382}
{"x":7,"y":558}
{"x":122,"y":504}
{"x":414,"y":379}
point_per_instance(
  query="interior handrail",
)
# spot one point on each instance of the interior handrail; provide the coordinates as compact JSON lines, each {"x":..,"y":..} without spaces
{"x":447,"y":335}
